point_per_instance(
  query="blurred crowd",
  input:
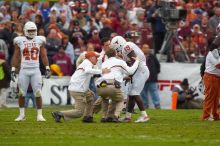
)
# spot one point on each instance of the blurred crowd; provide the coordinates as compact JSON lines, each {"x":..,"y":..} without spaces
{"x":74,"y":26}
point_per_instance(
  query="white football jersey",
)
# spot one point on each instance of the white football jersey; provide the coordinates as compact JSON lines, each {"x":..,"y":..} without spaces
{"x":130,"y":46}
{"x":30,"y":50}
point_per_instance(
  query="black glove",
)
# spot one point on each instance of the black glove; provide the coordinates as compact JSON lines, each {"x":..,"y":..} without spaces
{"x":13,"y":76}
{"x":47,"y":73}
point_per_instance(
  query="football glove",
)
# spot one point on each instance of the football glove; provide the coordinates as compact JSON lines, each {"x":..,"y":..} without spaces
{"x":47,"y":73}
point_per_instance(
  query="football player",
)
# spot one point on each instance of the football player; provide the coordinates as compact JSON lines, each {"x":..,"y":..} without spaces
{"x":128,"y":50}
{"x":27,"y":50}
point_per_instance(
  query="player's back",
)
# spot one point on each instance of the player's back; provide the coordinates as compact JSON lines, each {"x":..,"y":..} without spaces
{"x":30,"y":50}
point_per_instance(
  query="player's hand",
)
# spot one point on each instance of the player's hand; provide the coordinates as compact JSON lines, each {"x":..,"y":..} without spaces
{"x":13,"y":76}
{"x":47,"y":73}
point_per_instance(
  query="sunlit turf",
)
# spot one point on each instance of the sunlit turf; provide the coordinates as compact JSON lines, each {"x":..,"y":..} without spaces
{"x":166,"y":127}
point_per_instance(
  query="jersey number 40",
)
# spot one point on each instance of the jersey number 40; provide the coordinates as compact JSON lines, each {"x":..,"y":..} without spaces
{"x":30,"y":55}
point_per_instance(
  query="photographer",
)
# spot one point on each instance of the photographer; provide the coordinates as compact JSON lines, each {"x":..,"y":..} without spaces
{"x":186,"y":96}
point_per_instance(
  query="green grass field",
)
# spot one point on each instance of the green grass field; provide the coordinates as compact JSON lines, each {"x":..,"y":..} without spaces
{"x":166,"y":127}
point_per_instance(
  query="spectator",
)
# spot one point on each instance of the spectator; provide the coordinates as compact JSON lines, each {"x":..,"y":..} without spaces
{"x":39,"y":21}
{"x":96,"y":41}
{"x":185,"y":99}
{"x":199,"y":15}
{"x":107,"y":28}
{"x":64,"y":62}
{"x":214,"y":21}
{"x":5,"y":11}
{"x":146,"y":36}
{"x":45,"y":10}
{"x":64,"y":23}
{"x":151,"y":84}
{"x":52,"y":22}
{"x":14,"y":16}
{"x":98,"y":22}
{"x":158,"y":27}
{"x":81,"y":18}
{"x":52,"y":44}
{"x":17,"y":32}
{"x":69,"y":49}
{"x":41,"y":32}
{"x":77,"y":37}
{"x":62,"y":8}
{"x":199,"y":40}
{"x":4,"y":79}
{"x":5,"y":32}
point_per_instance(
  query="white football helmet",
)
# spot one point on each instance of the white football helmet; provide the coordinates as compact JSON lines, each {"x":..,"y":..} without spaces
{"x":117,"y":43}
{"x":30,"y":29}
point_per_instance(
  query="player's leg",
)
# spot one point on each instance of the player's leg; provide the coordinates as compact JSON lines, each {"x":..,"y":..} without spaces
{"x":137,"y":86}
{"x":23,"y":82}
{"x":36,"y":84}
{"x":78,"y":110}
{"x":130,"y":107}
{"x":88,"y":113}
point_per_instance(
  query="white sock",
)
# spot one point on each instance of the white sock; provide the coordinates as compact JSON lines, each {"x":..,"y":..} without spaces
{"x":22,"y":110}
{"x":128,"y":115}
{"x":39,"y":112}
{"x":143,"y":113}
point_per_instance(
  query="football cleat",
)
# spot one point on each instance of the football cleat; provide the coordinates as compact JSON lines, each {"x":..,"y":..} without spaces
{"x":125,"y":120}
{"x":142,"y":119}
{"x":40,"y":118}
{"x":112,"y":120}
{"x":57,"y":116}
{"x":87,"y":119}
{"x":20,"y":118}
{"x":209,"y":119}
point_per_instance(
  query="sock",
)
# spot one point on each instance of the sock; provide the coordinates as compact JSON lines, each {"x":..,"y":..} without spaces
{"x":143,"y":113}
{"x":22,"y":109}
{"x":39,"y":112}
{"x":128,"y":115}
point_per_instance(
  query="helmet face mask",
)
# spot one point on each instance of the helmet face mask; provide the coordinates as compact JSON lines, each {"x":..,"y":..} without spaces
{"x":117,"y":43}
{"x":30,"y":29}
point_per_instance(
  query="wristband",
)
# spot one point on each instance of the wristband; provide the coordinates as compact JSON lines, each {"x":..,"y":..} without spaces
{"x":47,"y":67}
{"x":13,"y":69}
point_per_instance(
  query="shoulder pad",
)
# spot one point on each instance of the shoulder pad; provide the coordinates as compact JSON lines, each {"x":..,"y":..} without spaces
{"x":41,"y":39}
{"x":18,"y":40}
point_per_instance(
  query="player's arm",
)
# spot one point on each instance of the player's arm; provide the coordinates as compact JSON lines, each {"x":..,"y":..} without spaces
{"x":130,"y":70}
{"x":15,"y":58}
{"x":43,"y":55}
{"x":15,"y":62}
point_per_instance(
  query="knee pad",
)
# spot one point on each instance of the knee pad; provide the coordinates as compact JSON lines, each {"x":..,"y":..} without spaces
{"x":21,"y":93}
{"x":37,"y":93}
